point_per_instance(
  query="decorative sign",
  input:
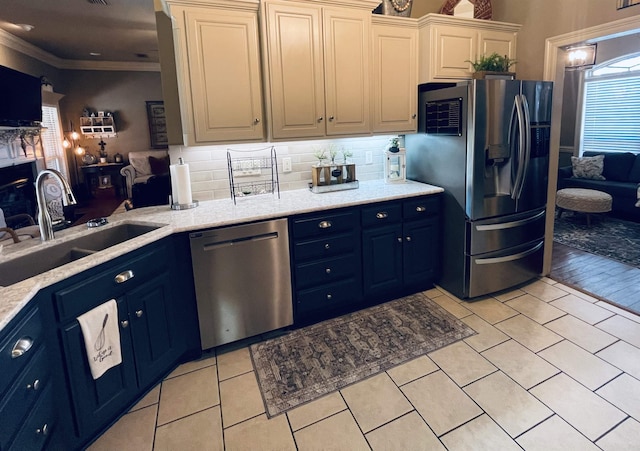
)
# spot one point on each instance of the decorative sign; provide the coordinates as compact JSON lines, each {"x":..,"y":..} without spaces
{"x":627,"y":3}
{"x":157,"y":124}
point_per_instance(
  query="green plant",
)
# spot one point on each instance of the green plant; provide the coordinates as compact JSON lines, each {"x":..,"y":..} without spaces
{"x":394,"y":142}
{"x":492,"y":63}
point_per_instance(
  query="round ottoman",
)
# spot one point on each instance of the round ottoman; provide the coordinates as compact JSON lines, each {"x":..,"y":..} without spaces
{"x":583,"y":201}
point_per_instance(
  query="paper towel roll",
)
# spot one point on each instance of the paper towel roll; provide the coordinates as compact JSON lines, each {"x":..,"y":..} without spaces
{"x":181,"y":183}
{"x":174,"y":184}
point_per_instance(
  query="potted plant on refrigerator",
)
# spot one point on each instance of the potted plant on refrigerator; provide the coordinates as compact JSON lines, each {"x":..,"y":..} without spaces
{"x":494,"y":66}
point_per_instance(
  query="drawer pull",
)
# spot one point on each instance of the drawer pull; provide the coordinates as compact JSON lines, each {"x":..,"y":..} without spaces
{"x":408,"y":238}
{"x":35,"y":386}
{"x":124,"y":276}
{"x":21,"y":346}
{"x":139,"y":313}
{"x":124,"y":324}
{"x":421,"y":209}
{"x":382,"y":215}
{"x":326,"y":246}
{"x":328,"y":270}
{"x":324,"y":224}
{"x":329,"y":297}
{"x":44,"y":430}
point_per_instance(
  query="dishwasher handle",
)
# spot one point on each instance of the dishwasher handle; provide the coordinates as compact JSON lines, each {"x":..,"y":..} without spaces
{"x":238,"y":241}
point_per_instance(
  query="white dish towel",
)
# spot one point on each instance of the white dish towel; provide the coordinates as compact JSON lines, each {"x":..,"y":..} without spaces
{"x":101,"y":337}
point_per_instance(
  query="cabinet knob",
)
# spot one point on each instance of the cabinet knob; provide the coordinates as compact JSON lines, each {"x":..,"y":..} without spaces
{"x":382,"y":215}
{"x":256,"y":121}
{"x":44,"y":430}
{"x":326,"y":246}
{"x":331,"y":118}
{"x":139,"y":313}
{"x":35,"y":386}
{"x":414,"y":116}
{"x":329,"y":297}
{"x":399,"y":239}
{"x":328,"y":270}
{"x":320,"y":119}
{"x":21,"y":346}
{"x":408,"y":238}
{"x":124,"y":276}
{"x":124,"y":324}
{"x":421,"y":209}
{"x":324,"y":224}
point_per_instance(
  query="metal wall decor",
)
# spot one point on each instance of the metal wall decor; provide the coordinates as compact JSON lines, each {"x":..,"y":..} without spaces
{"x":394,"y":8}
{"x":157,"y":124}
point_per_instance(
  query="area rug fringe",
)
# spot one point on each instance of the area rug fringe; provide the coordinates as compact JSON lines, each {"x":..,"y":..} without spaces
{"x":311,"y":362}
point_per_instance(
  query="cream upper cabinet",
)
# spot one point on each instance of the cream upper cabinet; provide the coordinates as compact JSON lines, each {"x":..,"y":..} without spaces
{"x":448,"y":43}
{"x":317,"y":61}
{"x":395,"y":74}
{"x":219,"y":72}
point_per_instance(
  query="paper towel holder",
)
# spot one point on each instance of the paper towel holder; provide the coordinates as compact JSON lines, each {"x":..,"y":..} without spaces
{"x":175,"y":206}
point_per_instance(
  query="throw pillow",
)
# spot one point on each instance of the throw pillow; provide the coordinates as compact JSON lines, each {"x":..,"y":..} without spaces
{"x":159,"y":165}
{"x":588,"y":167}
{"x":618,"y":165}
{"x":140,"y":164}
{"x":3,"y":223}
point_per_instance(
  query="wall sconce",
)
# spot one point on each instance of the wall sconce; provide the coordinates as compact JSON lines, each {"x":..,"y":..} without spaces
{"x":581,"y":56}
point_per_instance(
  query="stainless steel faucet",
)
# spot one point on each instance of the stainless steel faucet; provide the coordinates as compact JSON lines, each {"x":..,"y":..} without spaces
{"x":44,"y":218}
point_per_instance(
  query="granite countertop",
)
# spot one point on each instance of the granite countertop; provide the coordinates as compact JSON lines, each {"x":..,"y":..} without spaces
{"x":215,"y":213}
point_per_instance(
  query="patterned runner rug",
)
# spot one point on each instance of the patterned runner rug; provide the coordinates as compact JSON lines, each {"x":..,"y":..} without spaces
{"x":310,"y":362}
{"x":609,"y":237}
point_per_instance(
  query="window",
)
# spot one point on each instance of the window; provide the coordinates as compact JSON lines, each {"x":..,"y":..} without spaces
{"x":612,"y":106}
{"x":52,"y":140}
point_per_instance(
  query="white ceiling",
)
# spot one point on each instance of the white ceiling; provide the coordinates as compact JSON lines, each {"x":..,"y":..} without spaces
{"x":71,"y":29}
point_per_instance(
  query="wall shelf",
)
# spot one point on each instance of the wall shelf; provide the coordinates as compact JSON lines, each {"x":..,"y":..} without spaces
{"x":98,"y":127}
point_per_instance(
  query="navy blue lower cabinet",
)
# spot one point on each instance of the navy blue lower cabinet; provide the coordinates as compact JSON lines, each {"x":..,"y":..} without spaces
{"x":382,"y":259}
{"x":421,"y":252}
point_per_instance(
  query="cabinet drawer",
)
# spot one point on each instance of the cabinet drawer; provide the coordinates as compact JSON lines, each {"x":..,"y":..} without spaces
{"x":324,"y":247}
{"x":421,"y":207}
{"x":35,"y":432}
{"x":83,"y":296}
{"x":324,"y":225}
{"x":325,"y":271}
{"x":24,"y":393}
{"x":344,"y":292}
{"x":28,"y":330}
{"x":381,"y":214}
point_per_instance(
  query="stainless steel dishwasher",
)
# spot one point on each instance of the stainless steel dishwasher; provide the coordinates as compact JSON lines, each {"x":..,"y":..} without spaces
{"x":242,"y":279}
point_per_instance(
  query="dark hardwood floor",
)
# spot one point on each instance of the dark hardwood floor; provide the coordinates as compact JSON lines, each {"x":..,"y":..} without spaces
{"x":604,"y":278}
{"x":103,"y":203}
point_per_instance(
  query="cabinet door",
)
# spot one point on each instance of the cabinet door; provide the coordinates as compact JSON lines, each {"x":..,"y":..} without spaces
{"x":153,"y":329}
{"x":224,"y":71}
{"x":500,"y":42}
{"x":105,"y":397}
{"x":454,"y":47}
{"x":382,"y":259}
{"x":346,"y":43}
{"x":420,"y":252}
{"x":395,"y":74}
{"x":294,"y":43}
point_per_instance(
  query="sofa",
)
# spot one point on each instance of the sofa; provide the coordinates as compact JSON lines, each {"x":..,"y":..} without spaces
{"x":615,"y":173}
{"x":147,"y":178}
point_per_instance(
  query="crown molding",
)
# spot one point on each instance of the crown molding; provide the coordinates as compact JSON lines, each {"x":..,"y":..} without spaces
{"x":19,"y":45}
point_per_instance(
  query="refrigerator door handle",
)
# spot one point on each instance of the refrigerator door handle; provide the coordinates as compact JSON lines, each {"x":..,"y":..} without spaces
{"x":509,"y":258}
{"x":509,"y":225}
{"x":521,"y":149}
{"x":527,"y":142}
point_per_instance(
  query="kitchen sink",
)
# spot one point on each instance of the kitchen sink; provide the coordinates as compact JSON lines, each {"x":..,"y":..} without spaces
{"x":50,"y":257}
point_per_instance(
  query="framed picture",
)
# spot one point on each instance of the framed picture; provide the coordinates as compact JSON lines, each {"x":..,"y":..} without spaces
{"x":627,"y":3}
{"x":157,"y":124}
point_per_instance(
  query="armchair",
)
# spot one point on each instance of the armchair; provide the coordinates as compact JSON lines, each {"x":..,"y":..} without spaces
{"x":139,"y":170}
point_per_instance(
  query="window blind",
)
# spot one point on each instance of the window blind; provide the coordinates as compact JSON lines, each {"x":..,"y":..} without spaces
{"x":51,"y":140}
{"x":610,"y":114}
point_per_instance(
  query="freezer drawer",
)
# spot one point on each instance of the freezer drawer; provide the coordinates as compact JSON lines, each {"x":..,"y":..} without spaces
{"x":491,"y":235}
{"x":500,"y":270}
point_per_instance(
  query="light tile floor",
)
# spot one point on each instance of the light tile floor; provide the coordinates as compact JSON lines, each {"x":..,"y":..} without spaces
{"x":550,"y":368}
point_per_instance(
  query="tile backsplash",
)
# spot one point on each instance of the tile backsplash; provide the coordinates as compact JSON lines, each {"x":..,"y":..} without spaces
{"x":210,"y":176}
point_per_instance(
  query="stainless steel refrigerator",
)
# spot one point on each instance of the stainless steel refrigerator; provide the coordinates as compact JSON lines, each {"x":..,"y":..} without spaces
{"x":486,"y":142}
